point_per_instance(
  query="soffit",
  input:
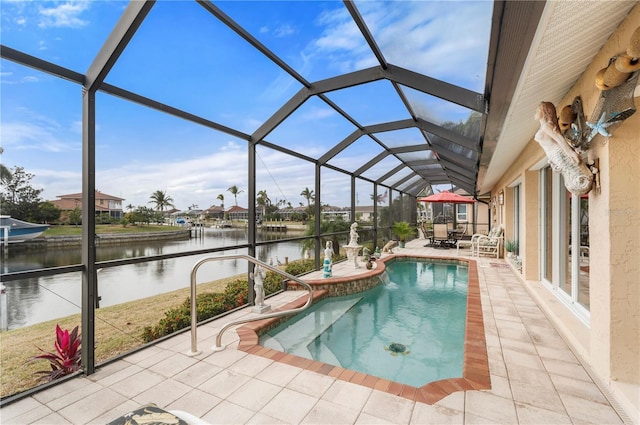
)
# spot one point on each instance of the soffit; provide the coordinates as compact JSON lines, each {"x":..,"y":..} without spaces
{"x":568,"y":36}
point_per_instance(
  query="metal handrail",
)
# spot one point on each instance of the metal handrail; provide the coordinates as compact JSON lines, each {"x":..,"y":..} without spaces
{"x":194,"y":314}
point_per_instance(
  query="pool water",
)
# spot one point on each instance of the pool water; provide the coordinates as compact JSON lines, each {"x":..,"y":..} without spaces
{"x":420,"y":305}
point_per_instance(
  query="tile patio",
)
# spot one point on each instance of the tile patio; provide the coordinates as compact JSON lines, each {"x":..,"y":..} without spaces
{"x":535,"y":377}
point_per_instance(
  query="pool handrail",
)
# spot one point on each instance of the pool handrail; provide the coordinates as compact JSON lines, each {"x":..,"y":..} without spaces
{"x":194,"y":319}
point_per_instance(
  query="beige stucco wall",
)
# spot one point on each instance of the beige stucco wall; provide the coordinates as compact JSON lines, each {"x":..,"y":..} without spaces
{"x":614,"y":224}
{"x":614,"y":221}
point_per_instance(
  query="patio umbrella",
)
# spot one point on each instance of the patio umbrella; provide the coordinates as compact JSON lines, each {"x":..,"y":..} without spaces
{"x":447,"y":197}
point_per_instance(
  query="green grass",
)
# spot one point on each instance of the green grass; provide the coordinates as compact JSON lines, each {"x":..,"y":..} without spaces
{"x":118,"y":329}
{"x":71,"y":230}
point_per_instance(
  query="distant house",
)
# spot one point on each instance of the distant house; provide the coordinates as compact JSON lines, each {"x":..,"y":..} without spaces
{"x":290,"y":213}
{"x":331,"y":213}
{"x":105,"y":204}
{"x":237,"y":213}
{"x":365,"y":213}
{"x":214,"y":212}
{"x":240,"y":213}
{"x":170,"y":212}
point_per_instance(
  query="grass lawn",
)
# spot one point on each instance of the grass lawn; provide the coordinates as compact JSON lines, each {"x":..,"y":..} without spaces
{"x":118,"y":330}
{"x":71,"y":230}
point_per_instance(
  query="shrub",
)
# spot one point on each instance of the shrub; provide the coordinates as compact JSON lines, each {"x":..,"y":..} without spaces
{"x":67,"y":357}
{"x":211,"y":304}
{"x":272,"y":283}
{"x":208,"y":305}
{"x":299,"y":267}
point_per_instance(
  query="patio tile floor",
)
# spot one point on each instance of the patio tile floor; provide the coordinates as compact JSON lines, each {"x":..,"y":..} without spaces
{"x":535,"y":377}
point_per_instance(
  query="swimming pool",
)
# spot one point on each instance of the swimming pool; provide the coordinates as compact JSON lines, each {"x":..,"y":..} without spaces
{"x":475,"y":371}
{"x":410,"y":329}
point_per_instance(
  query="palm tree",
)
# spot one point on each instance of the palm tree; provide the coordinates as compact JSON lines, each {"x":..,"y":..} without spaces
{"x":221,"y":198}
{"x":234,"y":191}
{"x":5,"y":174}
{"x":161,"y":200}
{"x":379,"y":198}
{"x":308,"y":195}
{"x":263,"y":200}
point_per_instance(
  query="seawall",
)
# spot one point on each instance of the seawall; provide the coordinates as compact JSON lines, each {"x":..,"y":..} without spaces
{"x":102,"y":239}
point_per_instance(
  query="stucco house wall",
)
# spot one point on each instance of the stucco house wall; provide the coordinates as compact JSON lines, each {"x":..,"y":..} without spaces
{"x":613,"y":343}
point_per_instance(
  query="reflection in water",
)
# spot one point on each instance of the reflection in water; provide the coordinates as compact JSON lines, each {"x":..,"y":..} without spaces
{"x":35,"y":300}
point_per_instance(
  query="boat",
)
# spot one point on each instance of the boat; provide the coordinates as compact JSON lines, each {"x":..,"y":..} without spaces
{"x":18,"y":230}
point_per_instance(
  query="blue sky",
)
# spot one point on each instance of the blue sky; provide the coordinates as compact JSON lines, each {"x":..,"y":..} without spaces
{"x":185,"y":57}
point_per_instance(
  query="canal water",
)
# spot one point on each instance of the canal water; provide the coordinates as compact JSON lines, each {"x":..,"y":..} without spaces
{"x":35,"y":300}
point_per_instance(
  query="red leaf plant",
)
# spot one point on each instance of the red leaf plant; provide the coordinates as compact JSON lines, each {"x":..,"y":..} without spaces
{"x":67,"y":357}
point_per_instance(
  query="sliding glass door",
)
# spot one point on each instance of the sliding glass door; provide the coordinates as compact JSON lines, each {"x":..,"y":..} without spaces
{"x":564,"y":236}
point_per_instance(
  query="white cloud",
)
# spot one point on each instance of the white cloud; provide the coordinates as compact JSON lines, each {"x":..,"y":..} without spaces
{"x":448,"y":41}
{"x":443,"y":40}
{"x":340,"y":33}
{"x":37,"y":136}
{"x":64,"y":15}
{"x":8,"y":77}
{"x":319,"y":113}
{"x":284,"y":30}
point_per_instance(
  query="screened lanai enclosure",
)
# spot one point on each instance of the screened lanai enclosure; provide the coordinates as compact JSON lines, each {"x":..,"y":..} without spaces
{"x":355,"y":103}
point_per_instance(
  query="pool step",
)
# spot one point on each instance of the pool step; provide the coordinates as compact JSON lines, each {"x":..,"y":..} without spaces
{"x":295,"y":338}
{"x":325,"y":355}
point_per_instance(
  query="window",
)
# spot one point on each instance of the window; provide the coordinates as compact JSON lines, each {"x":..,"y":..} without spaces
{"x":462,"y":212}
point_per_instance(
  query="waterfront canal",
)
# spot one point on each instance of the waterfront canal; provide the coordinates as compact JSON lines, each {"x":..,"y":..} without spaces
{"x":36,"y":300}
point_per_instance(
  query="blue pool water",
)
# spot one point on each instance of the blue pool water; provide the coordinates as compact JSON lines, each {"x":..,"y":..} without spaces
{"x":420,"y":304}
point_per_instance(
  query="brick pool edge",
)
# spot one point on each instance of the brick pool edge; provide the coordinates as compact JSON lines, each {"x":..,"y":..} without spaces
{"x":475,"y":370}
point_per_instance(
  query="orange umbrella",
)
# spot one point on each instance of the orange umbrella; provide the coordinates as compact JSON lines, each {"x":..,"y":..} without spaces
{"x":447,"y":197}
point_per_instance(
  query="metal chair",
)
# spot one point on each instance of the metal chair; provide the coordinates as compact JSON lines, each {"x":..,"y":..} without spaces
{"x":440,"y":235}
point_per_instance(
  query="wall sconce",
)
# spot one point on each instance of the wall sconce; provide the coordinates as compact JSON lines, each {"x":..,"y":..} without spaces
{"x":501,"y":197}
{"x":493,"y":201}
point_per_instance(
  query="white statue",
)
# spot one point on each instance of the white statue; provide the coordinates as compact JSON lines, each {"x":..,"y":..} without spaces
{"x":328,"y":252}
{"x":354,"y":234}
{"x":578,"y":179}
{"x":258,"y":276}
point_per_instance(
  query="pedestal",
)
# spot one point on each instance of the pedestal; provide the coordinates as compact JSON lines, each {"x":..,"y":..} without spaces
{"x":261,"y":308}
{"x":352,"y":254}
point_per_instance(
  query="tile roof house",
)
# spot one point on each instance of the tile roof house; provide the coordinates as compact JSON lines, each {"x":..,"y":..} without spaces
{"x":105,"y":204}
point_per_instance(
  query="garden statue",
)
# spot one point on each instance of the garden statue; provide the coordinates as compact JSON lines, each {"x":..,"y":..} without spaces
{"x":258,"y":276}
{"x":328,"y":252}
{"x":388,"y":247}
{"x":365,"y":254}
{"x":353,"y":241}
{"x":352,"y":248}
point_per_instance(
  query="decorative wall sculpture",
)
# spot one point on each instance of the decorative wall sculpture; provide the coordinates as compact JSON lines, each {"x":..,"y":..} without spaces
{"x":565,"y":137}
{"x":563,"y":159}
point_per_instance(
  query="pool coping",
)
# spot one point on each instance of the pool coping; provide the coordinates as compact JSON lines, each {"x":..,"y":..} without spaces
{"x":475,"y":370}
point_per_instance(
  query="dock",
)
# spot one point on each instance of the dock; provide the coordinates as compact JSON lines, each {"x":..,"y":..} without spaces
{"x":273,"y":226}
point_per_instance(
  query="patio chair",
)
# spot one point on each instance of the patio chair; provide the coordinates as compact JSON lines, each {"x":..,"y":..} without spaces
{"x":440,"y":235}
{"x":461,"y":242}
{"x":487,"y":244}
